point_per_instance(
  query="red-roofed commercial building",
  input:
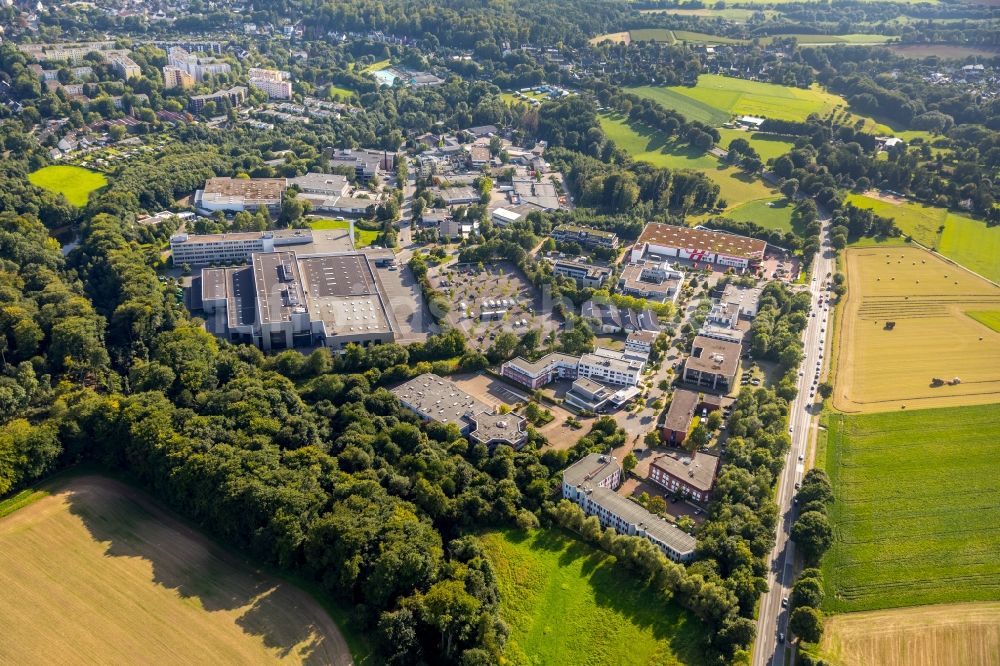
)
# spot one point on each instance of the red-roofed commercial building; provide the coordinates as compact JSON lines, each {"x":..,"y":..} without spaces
{"x":667,"y":240}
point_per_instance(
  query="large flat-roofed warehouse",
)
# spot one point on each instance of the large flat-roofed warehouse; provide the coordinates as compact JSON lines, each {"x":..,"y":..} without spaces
{"x":236,"y":194}
{"x":667,"y":240}
{"x":283,"y":301}
{"x":434,"y":398}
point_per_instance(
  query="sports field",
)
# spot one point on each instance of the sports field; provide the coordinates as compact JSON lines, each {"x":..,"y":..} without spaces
{"x":880,"y":369}
{"x":917,"y":512}
{"x":717,"y":98}
{"x":96,"y":572}
{"x":568,"y":603}
{"x":362,"y":237}
{"x":967,"y":634}
{"x":963,"y":239}
{"x":73,"y":182}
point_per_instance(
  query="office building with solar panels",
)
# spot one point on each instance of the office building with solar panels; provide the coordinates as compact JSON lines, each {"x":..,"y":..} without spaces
{"x":282,"y":301}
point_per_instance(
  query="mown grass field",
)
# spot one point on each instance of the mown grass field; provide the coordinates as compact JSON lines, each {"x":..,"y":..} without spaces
{"x":927,"y":298}
{"x":850,"y":38}
{"x":727,"y":97}
{"x":771,"y":213}
{"x":990,"y":318}
{"x":94,"y":571}
{"x":344,"y":93}
{"x":735,"y":187}
{"x":652,"y":35}
{"x":965,"y":240}
{"x":917,"y":512}
{"x":362,"y":237}
{"x":768,"y":146}
{"x":692,"y":37}
{"x":967,"y":634}
{"x":73,"y":182}
{"x":568,"y":603}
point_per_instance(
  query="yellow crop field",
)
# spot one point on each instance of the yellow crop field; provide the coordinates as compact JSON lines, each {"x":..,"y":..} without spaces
{"x":913,"y":362}
{"x":97,"y":573}
{"x":967,"y":634}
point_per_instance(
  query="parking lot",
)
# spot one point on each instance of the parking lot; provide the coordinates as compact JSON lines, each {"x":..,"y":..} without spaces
{"x":407,"y":303}
{"x":502,"y":291}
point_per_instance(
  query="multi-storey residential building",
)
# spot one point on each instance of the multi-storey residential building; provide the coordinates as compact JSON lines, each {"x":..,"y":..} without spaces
{"x":641,"y":341}
{"x":433,"y":398}
{"x":699,"y":245}
{"x":233,"y":96}
{"x":274,"y":82}
{"x":124,"y":66}
{"x":591,"y":482}
{"x":586,"y":275}
{"x":197,"y":66}
{"x":688,"y":474}
{"x":218,"y":249}
{"x":585,"y":236}
{"x":175,"y":77}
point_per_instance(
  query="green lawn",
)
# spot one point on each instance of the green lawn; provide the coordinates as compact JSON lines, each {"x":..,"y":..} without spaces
{"x":715,"y":99}
{"x":690,"y":108}
{"x":771,"y":213}
{"x":917,"y":511}
{"x":768,"y":146}
{"x":990,"y":318}
{"x":74,"y":183}
{"x":362,"y":237}
{"x":964,"y":240}
{"x":649,"y":145}
{"x":344,"y":93}
{"x":568,"y":603}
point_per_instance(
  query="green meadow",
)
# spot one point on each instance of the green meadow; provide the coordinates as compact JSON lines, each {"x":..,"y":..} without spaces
{"x":917,"y":511}
{"x":566,"y":602}
{"x":715,"y":99}
{"x":735,"y":187}
{"x":73,"y":182}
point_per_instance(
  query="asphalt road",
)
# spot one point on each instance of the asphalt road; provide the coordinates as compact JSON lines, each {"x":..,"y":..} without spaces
{"x":773,"y":618}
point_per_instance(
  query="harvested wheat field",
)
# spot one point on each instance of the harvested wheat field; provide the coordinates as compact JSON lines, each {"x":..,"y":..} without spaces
{"x":959,"y":634}
{"x":96,"y":573}
{"x":905,"y":337}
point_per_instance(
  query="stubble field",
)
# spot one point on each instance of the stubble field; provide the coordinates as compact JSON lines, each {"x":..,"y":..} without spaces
{"x":933,"y":337}
{"x":967,"y":634}
{"x":96,"y":573}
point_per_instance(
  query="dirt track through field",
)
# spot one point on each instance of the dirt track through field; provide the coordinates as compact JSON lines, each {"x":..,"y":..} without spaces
{"x":97,"y":573}
{"x":904,"y":325}
{"x":947,"y":634}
